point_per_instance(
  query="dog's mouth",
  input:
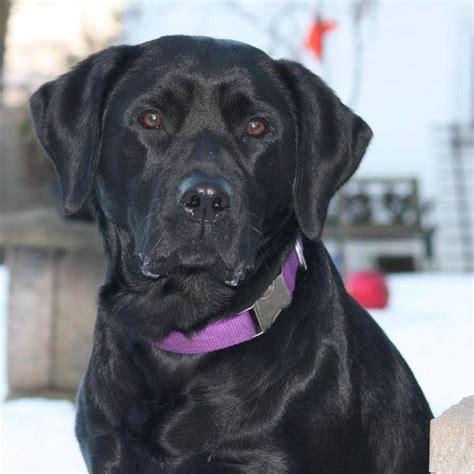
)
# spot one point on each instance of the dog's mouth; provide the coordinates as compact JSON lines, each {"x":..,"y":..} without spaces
{"x":191,"y":260}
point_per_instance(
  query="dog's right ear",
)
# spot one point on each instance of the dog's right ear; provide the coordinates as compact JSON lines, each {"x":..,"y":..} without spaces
{"x":67,"y":118}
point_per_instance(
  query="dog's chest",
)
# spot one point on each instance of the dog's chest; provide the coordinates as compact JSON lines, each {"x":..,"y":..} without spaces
{"x":198,"y":417}
{"x":171,"y":427}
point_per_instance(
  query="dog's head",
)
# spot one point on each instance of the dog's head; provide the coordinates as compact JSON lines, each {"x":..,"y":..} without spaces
{"x":200,"y":149}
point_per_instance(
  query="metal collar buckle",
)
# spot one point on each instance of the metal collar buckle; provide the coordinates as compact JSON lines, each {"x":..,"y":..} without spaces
{"x":276,"y":298}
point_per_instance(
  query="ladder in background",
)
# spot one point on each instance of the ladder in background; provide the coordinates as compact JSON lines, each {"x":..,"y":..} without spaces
{"x":455,"y":198}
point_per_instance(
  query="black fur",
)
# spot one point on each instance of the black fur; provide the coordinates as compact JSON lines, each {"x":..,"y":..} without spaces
{"x":324,"y":390}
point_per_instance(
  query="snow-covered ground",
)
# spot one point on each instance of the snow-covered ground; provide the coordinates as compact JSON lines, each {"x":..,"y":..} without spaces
{"x":430,"y":319}
{"x":36,"y":435}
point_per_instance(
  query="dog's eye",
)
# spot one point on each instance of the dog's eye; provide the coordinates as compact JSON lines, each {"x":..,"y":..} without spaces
{"x":150,"y":119}
{"x":256,"y":127}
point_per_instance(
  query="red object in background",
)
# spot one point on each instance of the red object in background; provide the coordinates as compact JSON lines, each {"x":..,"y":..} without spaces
{"x":368,"y":288}
{"x":319,"y":28}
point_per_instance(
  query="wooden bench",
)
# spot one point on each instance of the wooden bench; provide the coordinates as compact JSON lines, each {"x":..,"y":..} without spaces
{"x":368,"y":209}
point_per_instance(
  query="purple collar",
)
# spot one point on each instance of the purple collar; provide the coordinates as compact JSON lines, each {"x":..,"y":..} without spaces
{"x":246,"y":325}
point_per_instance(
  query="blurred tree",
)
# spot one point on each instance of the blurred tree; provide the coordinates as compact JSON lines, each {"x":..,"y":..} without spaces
{"x":34,"y":170}
{"x":4,"y":14}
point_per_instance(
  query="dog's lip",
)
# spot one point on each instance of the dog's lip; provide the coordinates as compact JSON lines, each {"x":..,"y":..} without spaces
{"x":146,"y":262}
{"x":237,"y":278}
{"x":158,"y":268}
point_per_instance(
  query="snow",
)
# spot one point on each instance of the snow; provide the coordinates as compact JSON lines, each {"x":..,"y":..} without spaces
{"x":36,"y":434}
{"x":38,"y":437}
{"x":429,"y":318}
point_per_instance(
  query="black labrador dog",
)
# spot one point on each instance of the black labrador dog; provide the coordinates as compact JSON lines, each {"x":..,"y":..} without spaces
{"x":210,"y":166}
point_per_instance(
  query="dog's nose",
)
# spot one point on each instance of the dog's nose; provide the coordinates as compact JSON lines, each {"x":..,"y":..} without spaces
{"x":204,"y":198}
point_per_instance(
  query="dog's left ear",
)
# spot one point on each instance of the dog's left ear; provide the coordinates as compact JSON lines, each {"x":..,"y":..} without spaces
{"x":331,"y":143}
{"x":67,"y":116}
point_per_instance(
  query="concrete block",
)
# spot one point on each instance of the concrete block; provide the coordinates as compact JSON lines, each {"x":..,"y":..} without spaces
{"x":51,"y":315}
{"x":78,"y":278}
{"x":452,"y":440}
{"x":30,"y":307}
